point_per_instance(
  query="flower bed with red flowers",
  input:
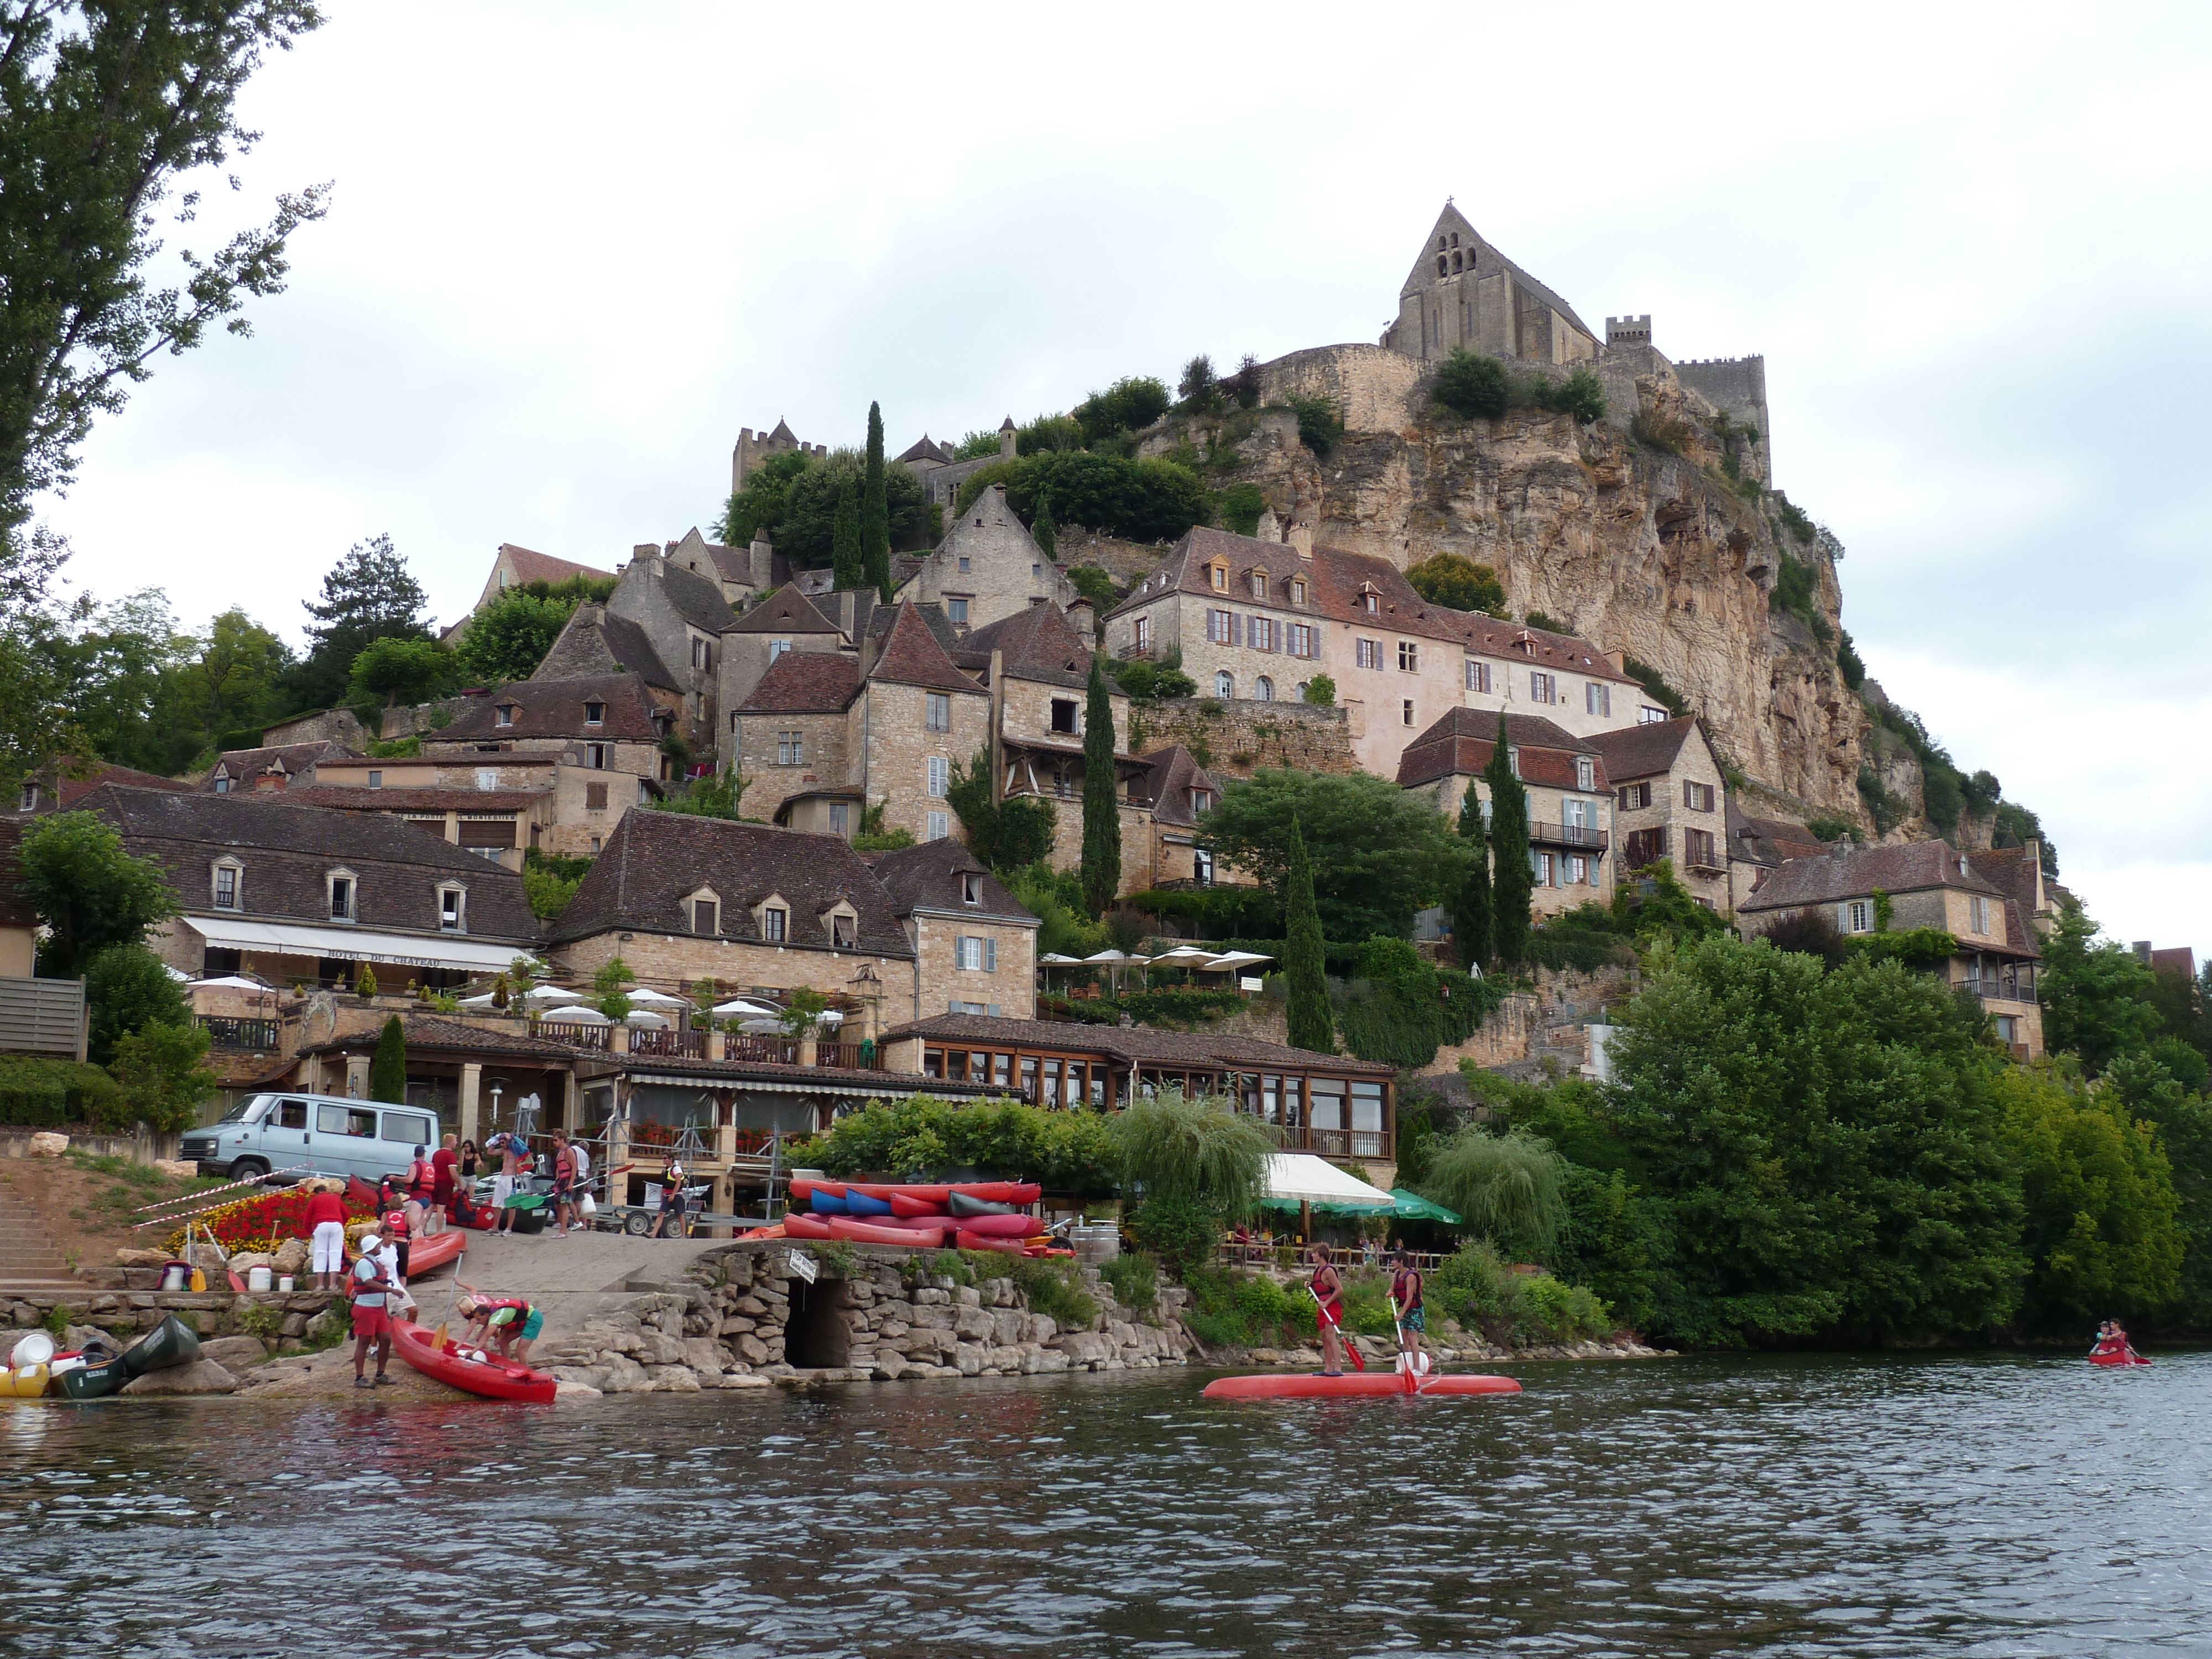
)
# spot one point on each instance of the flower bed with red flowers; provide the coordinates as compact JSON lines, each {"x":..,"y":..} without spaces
{"x":262,"y":1221}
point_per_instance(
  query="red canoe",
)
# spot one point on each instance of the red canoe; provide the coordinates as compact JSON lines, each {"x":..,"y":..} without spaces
{"x":918,"y":1224}
{"x":428,"y":1255}
{"x":493,"y":1377}
{"x":969,"y":1241}
{"x":2122,"y":1355}
{"x":1002,"y":1226}
{"x":799,"y":1225}
{"x":908,"y":1204}
{"x":1311,"y":1385}
{"x":904,"y":1238}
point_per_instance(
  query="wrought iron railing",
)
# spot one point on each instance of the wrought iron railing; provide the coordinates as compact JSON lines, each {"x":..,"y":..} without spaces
{"x":227,"y":1032}
{"x":1567,"y":835}
{"x":776,"y":1051}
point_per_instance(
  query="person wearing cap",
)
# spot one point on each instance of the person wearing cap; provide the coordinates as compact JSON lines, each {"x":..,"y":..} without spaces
{"x":371,"y":1316}
{"x":391,"y":1256}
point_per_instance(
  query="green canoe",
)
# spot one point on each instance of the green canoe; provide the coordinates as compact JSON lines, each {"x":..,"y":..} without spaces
{"x":94,"y":1381}
{"x":172,"y":1342}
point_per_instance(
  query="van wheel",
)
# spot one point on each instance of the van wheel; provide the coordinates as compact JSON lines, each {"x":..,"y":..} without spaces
{"x":249,"y":1169}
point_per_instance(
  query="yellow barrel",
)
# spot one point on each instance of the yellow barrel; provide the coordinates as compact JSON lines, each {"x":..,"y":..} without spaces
{"x":24,"y":1381}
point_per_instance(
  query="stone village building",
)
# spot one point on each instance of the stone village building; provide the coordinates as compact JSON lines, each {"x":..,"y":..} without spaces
{"x":250,"y":771}
{"x":1925,"y":885}
{"x":1671,"y":802}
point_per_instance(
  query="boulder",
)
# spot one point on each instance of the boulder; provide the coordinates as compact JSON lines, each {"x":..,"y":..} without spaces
{"x":704,"y":1355}
{"x":233,"y":1353}
{"x":45,"y":1144}
{"x":625,"y":1376}
{"x":292,"y":1257}
{"x":241,"y":1264}
{"x":141,"y":1258}
{"x":751,"y":1349}
{"x":675,"y":1379}
{"x":735,"y":1380}
{"x":201,"y":1376}
{"x":176,"y":1169}
{"x":565,"y":1389}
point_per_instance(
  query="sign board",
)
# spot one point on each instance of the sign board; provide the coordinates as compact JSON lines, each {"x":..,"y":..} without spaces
{"x":804,"y":1265}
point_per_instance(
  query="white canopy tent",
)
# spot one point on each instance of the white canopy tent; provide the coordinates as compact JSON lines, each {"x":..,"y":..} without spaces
{"x":1302,"y":1178}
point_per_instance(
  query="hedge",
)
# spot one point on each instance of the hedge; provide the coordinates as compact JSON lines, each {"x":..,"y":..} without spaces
{"x":42,"y":1094}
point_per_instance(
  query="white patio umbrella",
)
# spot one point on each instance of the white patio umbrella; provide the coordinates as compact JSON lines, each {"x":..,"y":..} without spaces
{"x":1240,"y":958}
{"x":1183,"y":956}
{"x":655,"y":1000}
{"x":1053,"y":959}
{"x":548,"y":994}
{"x":646,"y":1019}
{"x":738,"y":1005}
{"x":483,"y":1001}
{"x":1112,"y":959}
{"x":228,"y":983}
{"x":579,"y":1015}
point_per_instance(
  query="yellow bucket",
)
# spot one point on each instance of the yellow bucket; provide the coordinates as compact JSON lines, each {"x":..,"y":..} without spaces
{"x":24,"y":1381}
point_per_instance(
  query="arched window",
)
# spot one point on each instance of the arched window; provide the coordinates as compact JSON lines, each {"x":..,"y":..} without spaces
{"x":1455,"y":239}
{"x":1440,"y":245}
{"x":1224,"y":684}
{"x":1302,"y":684}
{"x":1265,"y":691}
{"x":1440,"y":264}
{"x":1454,"y":263}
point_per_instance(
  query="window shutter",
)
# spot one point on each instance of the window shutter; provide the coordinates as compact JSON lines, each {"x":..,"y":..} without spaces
{"x":993,"y":1008}
{"x":990,"y":956}
{"x":952,"y":1007}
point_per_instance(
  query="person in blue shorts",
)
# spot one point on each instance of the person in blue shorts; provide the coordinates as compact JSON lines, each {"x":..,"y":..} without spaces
{"x":1407,"y":1284}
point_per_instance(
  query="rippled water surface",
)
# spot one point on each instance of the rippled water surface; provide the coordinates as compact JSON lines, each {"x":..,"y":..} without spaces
{"x":1797,"y":1505}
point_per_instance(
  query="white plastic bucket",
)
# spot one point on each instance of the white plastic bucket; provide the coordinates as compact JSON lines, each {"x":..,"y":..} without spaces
{"x":259,"y":1280}
{"x":36,"y":1349}
{"x":284,"y":1285}
{"x":176,"y":1276}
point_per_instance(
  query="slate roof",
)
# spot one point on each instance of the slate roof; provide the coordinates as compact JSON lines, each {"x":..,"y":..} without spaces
{"x":786,"y":611}
{"x":1838,"y":873}
{"x":697,"y":599}
{"x":1644,"y":751}
{"x":554,"y":708}
{"x":912,"y":656}
{"x":427,"y":797}
{"x":60,"y":792}
{"x":247,"y":764}
{"x":928,"y":876}
{"x":289,"y":849}
{"x":597,"y":642}
{"x":1039,"y":643}
{"x":429,"y":1031}
{"x":1770,"y":840}
{"x":806,"y":682}
{"x":923,"y":449}
{"x":533,"y":567}
{"x":1175,"y":773}
{"x":1133,"y":1044}
{"x":654,"y":860}
{"x":1460,"y":742}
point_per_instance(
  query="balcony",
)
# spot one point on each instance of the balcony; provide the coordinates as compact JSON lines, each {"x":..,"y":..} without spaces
{"x":259,"y":1036}
{"x":580,"y":1036}
{"x":1580,"y":836}
{"x":676,"y":1045}
{"x":1997,"y":990}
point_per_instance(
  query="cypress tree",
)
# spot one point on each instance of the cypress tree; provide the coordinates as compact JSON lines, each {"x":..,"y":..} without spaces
{"x":1305,"y":963}
{"x":1102,"y":812}
{"x":846,"y":564}
{"x":876,"y":511}
{"x":1043,"y":531}
{"x":1471,"y":917}
{"x":1512,"y":878}
{"x":387,"y":1072}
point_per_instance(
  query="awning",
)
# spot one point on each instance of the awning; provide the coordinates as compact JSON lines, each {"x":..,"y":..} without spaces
{"x":1302,"y":1178}
{"x":1413,"y":1207}
{"x":356,"y":945}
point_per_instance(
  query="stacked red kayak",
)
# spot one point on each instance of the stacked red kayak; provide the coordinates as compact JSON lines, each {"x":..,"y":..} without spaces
{"x":983,"y":1215}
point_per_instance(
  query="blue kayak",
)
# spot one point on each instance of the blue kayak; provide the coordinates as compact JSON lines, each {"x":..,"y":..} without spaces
{"x":859,"y":1203}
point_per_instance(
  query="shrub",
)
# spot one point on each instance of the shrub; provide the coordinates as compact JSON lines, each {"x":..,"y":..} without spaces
{"x":1232,"y":1309}
{"x":1831,"y":829}
{"x":39,"y":1093}
{"x":1582,"y":395}
{"x":1053,"y":1291}
{"x":1130,"y":404}
{"x":1471,"y":386}
{"x":1888,"y":810}
{"x":1242,"y":504}
{"x":1178,"y":1230}
{"x":1559,"y":948}
{"x":1848,"y":663}
{"x":1071,"y":1152}
{"x":127,"y":987}
{"x":1321,"y":691}
{"x":1151,"y":500}
{"x":1399,"y":1010}
{"x":1319,"y":424}
{"x":162,"y":1079}
{"x":1135,"y":1279}
{"x":1655,"y":685}
{"x":1456,"y":581}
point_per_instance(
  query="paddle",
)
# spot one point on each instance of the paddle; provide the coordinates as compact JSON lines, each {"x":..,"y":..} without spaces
{"x":1343,"y":1340}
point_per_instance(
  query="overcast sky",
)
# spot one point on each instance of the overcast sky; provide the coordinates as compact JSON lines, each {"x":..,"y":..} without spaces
{"x":574,"y":248}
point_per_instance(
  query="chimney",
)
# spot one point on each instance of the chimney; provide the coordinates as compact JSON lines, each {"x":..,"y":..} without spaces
{"x":646,"y":556}
{"x":1270,"y":528}
{"x":764,"y":562}
{"x":1619,"y":659}
{"x":1301,"y":538}
{"x":1083,"y":617}
{"x":1006,"y":439}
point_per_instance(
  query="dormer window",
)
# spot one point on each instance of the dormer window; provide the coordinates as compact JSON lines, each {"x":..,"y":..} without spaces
{"x":706,"y":915}
{"x":971,"y":888}
{"x":504,"y":714}
{"x":1219,"y":574}
{"x":1585,"y":773}
{"x":453,"y":908}
{"x":1201,"y":801}
{"x":843,"y":923}
{"x":1259,"y":584}
{"x":223,"y":783}
{"x":1297,"y":593}
{"x":775,"y":924}
{"x":1370,"y":604}
{"x":29,"y":801}
{"x":343,"y":891}
{"x":229,"y":880}
{"x":595,"y":713}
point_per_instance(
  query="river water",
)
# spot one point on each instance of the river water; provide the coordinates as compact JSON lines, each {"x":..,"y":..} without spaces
{"x":1794,"y":1505}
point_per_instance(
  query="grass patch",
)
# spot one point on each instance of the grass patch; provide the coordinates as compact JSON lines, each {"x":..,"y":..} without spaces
{"x":1135,"y":1279}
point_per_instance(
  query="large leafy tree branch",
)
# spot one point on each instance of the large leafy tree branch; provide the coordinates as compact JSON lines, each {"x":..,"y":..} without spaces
{"x":104,"y":108}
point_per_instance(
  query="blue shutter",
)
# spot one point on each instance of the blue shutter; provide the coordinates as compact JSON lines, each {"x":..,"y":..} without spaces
{"x":990,"y":956}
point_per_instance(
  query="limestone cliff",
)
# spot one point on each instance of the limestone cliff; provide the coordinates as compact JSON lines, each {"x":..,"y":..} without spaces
{"x":1641,"y":543}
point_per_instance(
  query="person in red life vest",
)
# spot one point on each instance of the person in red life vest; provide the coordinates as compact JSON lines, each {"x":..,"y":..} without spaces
{"x":516,"y":1322}
{"x":326,"y":1221}
{"x":421,"y":1185}
{"x":564,"y":1185}
{"x":1328,"y":1291}
{"x":372,"y":1317}
{"x":441,"y":1186}
{"x":1407,"y":1284}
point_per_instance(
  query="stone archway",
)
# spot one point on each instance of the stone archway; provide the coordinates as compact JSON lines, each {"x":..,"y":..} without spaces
{"x":818,"y":1333}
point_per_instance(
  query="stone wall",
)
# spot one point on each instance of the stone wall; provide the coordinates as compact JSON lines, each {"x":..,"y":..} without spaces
{"x":1234,"y":740}
{"x":742,"y":1316}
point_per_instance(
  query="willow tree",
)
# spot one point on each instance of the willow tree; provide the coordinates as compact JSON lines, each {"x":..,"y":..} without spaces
{"x":1510,"y":1187}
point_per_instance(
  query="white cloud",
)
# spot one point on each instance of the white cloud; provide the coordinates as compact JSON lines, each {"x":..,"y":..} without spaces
{"x":575,"y":247}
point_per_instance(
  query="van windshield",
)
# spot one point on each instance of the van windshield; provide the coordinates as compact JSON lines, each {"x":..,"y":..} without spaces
{"x":246,"y":1109}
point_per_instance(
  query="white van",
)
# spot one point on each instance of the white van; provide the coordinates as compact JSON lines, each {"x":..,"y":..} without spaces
{"x":296,"y":1135}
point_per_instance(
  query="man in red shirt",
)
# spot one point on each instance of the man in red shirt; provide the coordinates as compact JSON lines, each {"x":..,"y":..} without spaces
{"x":441,"y":1190}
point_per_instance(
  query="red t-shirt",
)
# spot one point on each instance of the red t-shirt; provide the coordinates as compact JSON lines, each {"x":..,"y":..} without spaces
{"x":324,"y":1206}
{"x":443,"y":1162}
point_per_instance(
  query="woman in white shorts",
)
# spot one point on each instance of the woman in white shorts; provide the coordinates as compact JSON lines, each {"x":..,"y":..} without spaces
{"x":326,"y":1214}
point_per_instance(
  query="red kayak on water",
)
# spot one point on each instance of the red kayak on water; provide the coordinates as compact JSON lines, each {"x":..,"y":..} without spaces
{"x":2116,"y":1350}
{"x":491,"y":1377}
{"x":1311,"y":1385}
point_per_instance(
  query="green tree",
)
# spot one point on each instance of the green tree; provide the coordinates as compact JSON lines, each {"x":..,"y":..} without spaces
{"x":236,"y":676}
{"x":367,"y":596}
{"x":1130,"y":404}
{"x":103,"y":111}
{"x":1150,"y":499}
{"x":388,"y":1067}
{"x":1509,"y":1188}
{"x":875,"y":512}
{"x":1044,"y":532}
{"x":1242,"y":504}
{"x":1471,"y":386}
{"x":1006,"y":836}
{"x":613,"y":975}
{"x":88,"y":890}
{"x":1471,"y":903}
{"x":1199,"y":1151}
{"x":719,"y":795}
{"x":849,"y":562}
{"x":507,"y":639}
{"x":1312,"y":1024}
{"x":1453,"y":581}
{"x":1513,"y":878}
{"x":759,"y":507}
{"x":1380,"y":852}
{"x":1200,"y":387}
{"x":1321,"y":691}
{"x":163,"y":1080}
{"x":1101,"y":811}
{"x":806,"y":532}
{"x":399,"y":671}
{"x":2183,"y":1118}
{"x":2097,"y":998}
{"x":127,"y":986}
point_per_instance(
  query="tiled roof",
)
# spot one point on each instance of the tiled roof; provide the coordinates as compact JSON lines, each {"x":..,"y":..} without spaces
{"x":1844,"y":872}
{"x":554,"y":708}
{"x":786,"y":611}
{"x":247,"y":764}
{"x":806,"y":682}
{"x":429,"y":1031}
{"x":697,"y":599}
{"x":923,"y":449}
{"x":15,"y":909}
{"x":532,"y":567}
{"x":655,"y":860}
{"x":1039,"y":643}
{"x":1460,"y":742}
{"x":456,"y":798}
{"x":880,"y":617}
{"x":72,"y":790}
{"x":928,"y":876}
{"x":1642,"y":751}
{"x":289,"y":851}
{"x":1769,"y":841}
{"x":1133,"y":1044}
{"x":1175,"y":773}
{"x":842,"y":1079}
{"x":912,"y":656}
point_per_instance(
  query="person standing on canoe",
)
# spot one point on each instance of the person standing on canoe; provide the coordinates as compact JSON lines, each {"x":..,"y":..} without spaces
{"x":1407,"y":1284}
{"x":1328,"y":1291}
{"x":372,"y":1319}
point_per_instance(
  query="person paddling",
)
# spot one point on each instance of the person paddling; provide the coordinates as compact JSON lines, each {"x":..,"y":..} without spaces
{"x":1328,"y":1290}
{"x":1407,"y":1284}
